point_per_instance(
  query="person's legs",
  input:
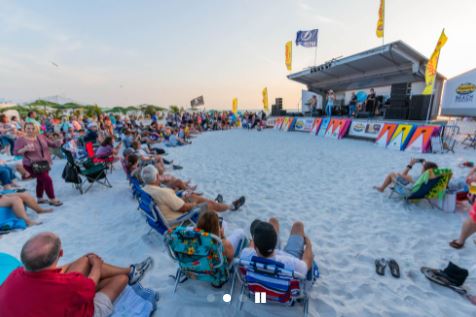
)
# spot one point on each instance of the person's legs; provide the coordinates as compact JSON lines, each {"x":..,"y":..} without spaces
{"x":109,"y":270}
{"x":235,"y":238}
{"x":16,"y":204}
{"x":469,"y":227}
{"x":30,"y":201}
{"x":5,"y":177}
{"x":47,"y":185}
{"x":80,"y":265}
{"x":212,"y":205}
{"x":113,"y":286}
{"x":295,"y":244}
{"x":388,"y":180}
{"x":275,"y":223}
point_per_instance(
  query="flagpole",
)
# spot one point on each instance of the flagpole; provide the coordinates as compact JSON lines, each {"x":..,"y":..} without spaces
{"x":315,"y":55}
{"x":383,"y":37}
{"x":430,"y":106}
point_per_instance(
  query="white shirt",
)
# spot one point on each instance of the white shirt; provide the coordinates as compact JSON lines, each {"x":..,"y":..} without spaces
{"x":290,"y":262}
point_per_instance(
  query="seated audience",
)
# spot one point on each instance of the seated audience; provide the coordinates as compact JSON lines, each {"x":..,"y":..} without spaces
{"x":85,"y":287}
{"x":107,"y":148}
{"x":209,"y":222}
{"x":173,"y":206}
{"x":296,"y":256}
{"x":404,"y":177}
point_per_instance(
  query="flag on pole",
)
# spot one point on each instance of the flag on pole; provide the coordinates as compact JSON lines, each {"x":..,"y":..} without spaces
{"x":289,"y":54}
{"x":431,"y":67}
{"x":307,"y":38}
{"x":381,"y":20}
{"x":234,"y":108}
{"x":265,"y":99}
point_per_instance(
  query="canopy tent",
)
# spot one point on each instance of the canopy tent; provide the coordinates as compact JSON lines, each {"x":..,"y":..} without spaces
{"x":386,"y":65}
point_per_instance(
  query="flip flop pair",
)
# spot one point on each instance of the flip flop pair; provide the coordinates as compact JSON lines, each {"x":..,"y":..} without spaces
{"x":381,"y":264}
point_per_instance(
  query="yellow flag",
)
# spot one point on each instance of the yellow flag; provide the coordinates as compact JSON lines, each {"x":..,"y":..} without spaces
{"x":265,"y":99}
{"x":289,"y":54}
{"x":381,"y":20}
{"x":431,"y":67}
{"x":235,"y":105}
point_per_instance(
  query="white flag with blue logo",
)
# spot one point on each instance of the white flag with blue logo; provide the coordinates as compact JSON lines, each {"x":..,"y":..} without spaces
{"x":307,"y":38}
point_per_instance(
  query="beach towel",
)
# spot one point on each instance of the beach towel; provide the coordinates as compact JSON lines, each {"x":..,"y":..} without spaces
{"x":7,"y":265}
{"x":8,"y":221}
{"x":135,"y":301}
{"x":438,"y":191}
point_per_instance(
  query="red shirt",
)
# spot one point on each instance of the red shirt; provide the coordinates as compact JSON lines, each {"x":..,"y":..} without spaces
{"x":47,"y":293}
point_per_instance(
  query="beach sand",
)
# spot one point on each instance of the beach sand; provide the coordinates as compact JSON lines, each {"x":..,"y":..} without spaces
{"x":325,"y":183}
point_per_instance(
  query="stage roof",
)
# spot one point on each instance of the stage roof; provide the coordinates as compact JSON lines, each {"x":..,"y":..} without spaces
{"x":389,"y":64}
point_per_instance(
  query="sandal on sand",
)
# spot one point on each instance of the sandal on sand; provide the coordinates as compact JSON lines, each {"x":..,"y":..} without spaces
{"x":55,"y":203}
{"x":456,"y":245}
{"x":380,"y":265}
{"x":394,"y":268}
{"x":42,"y":201}
{"x":238,"y":203}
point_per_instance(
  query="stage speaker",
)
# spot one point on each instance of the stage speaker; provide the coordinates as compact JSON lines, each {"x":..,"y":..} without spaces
{"x":397,"y":113}
{"x":419,"y":107}
{"x":362,"y":114}
{"x":282,"y":113}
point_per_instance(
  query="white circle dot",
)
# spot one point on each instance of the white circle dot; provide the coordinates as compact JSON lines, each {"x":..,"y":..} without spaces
{"x":211,"y":298}
{"x":227,"y":298}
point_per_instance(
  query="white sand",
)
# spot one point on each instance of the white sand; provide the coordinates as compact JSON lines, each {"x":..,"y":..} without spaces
{"x":294,"y":176}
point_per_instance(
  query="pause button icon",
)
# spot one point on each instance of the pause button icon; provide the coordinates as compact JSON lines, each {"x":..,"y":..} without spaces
{"x":260,"y":298}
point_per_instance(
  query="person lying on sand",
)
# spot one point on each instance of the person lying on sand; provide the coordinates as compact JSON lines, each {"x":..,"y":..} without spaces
{"x":173,"y":206}
{"x":404,"y":177}
{"x":15,"y":203}
{"x":85,"y":287}
{"x":296,"y":256}
{"x":469,"y":226}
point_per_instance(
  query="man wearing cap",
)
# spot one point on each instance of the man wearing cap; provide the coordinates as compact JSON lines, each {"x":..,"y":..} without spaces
{"x":296,"y":256}
{"x":92,"y":134}
{"x":469,"y":226}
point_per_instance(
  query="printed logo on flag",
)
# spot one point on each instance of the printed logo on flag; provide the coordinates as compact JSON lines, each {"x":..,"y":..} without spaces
{"x":307,"y":38}
{"x":197,"y":101}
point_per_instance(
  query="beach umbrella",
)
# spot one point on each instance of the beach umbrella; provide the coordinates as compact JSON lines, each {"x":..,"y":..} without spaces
{"x":361,"y":96}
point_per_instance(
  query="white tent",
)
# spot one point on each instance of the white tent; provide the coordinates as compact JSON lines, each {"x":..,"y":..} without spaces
{"x":459,"y":96}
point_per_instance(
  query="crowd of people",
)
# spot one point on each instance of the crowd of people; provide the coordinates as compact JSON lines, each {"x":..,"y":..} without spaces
{"x":89,"y":286}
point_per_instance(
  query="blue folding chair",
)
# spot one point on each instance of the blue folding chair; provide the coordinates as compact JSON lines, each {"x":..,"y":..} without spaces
{"x":260,"y":275}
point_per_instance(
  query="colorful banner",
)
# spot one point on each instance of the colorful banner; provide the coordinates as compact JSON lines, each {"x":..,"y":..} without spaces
{"x":365,"y":129}
{"x":337,"y":128}
{"x":381,"y":20}
{"x":421,"y":139}
{"x":316,"y":125}
{"x":307,"y":38}
{"x":386,"y":133}
{"x":303,"y":124}
{"x":431,"y":67}
{"x":278,"y":123}
{"x":289,"y":55}
{"x":234,"y":108}
{"x":400,"y":137}
{"x":324,"y":125}
{"x":265,"y":99}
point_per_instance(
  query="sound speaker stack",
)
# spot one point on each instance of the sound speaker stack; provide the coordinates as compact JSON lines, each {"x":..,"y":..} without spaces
{"x":419,"y":107}
{"x":399,"y":101}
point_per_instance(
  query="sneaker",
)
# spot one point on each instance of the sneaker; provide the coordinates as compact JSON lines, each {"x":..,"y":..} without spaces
{"x":238,"y":203}
{"x":219,"y":199}
{"x":177,"y":167}
{"x":138,"y":270}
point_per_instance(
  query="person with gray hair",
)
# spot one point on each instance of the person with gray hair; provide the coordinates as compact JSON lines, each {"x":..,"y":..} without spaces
{"x":85,"y":287}
{"x":173,"y":206}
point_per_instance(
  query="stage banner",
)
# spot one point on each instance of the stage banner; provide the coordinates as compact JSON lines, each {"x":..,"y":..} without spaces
{"x":265,"y":99}
{"x":278,"y":123}
{"x":324,"y":126}
{"x":421,"y":139}
{"x":401,"y":136}
{"x":288,"y":55}
{"x":303,"y":124}
{"x":310,"y":101}
{"x":381,"y":20}
{"x":316,"y":125}
{"x":431,"y":67}
{"x":365,"y":129}
{"x":386,"y":133}
{"x":271,"y":122}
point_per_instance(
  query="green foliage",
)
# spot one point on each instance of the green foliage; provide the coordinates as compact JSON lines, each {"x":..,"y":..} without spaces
{"x":174,"y":109}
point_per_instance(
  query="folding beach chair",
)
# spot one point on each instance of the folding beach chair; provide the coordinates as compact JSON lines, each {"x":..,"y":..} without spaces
{"x":199,"y":255}
{"x":155,"y":218}
{"x":94,"y":173}
{"x":470,"y":141}
{"x":281,"y":286}
{"x":107,"y":161}
{"x":425,"y":188}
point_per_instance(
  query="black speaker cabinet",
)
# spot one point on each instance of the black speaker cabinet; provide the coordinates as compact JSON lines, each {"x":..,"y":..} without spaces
{"x":419,"y":107}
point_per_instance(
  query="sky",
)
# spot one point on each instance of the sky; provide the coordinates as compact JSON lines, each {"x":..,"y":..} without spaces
{"x":118,"y":52}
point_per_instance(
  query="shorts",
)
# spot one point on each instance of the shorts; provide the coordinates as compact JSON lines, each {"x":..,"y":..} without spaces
{"x":295,"y":246}
{"x":102,"y":305}
{"x":402,"y":180}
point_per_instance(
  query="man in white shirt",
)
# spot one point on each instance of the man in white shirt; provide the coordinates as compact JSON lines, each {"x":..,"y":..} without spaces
{"x":173,"y":206}
{"x":296,"y":256}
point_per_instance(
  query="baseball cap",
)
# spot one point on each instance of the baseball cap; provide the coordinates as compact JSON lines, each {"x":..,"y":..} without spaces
{"x":264,"y":236}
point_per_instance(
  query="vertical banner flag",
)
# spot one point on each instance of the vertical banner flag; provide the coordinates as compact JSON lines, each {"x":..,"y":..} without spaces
{"x":265,"y":99}
{"x":235,"y":105}
{"x":431,"y":67}
{"x":289,"y":54}
{"x":307,"y":38}
{"x":381,"y":20}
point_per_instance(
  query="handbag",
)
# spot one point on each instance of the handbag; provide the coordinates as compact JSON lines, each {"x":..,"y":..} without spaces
{"x":40,"y":166}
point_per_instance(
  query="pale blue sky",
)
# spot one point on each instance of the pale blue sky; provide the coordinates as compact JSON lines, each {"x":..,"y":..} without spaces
{"x":115,"y":52}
